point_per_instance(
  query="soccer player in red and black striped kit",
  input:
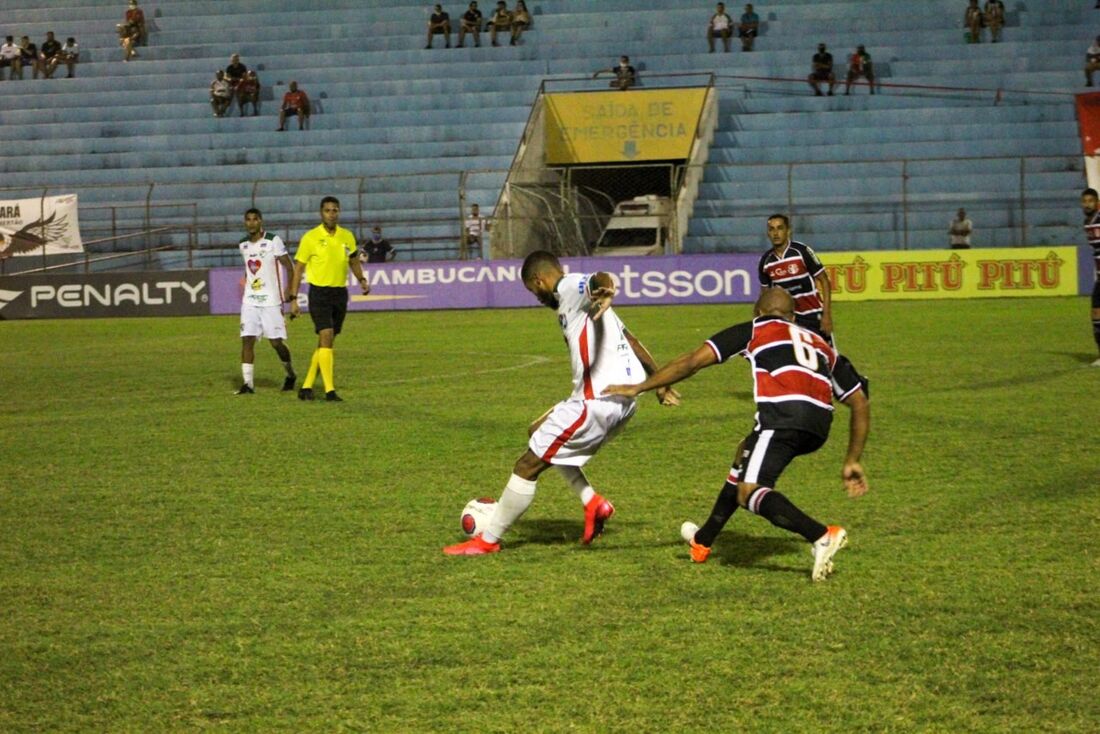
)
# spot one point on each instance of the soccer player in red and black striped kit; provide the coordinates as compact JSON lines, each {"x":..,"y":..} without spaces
{"x":795,"y":375}
{"x":794,"y":267}
{"x":1090,"y":204}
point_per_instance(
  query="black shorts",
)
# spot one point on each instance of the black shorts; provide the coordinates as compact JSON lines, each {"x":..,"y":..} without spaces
{"x":767,"y":453}
{"x":1096,"y":292}
{"x":746,"y":33}
{"x":327,"y":307}
{"x":821,"y":76}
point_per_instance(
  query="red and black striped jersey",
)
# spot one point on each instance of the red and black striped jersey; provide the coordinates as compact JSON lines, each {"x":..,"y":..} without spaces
{"x":794,"y":271}
{"x":795,"y":373}
{"x":1092,"y":233}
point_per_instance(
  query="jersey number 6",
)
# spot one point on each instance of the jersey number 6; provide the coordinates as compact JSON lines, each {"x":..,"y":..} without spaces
{"x":804,"y":351}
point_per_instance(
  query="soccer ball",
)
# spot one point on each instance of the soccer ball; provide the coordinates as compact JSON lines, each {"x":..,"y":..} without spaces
{"x":476,"y":515}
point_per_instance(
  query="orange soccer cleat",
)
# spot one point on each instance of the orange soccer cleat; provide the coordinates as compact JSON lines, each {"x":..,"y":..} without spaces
{"x":475,"y":546}
{"x":596,"y":513}
{"x":699,"y":553}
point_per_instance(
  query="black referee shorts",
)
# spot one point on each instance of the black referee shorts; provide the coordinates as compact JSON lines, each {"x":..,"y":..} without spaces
{"x":327,"y":307}
{"x":1096,"y":293}
{"x":768,"y":452}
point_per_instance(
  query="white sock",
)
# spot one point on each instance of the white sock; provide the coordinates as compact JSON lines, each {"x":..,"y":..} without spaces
{"x":576,"y":479}
{"x":247,"y":370}
{"x":289,"y":369}
{"x":513,"y":502}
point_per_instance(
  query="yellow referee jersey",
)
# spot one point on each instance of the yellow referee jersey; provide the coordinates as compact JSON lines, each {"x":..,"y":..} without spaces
{"x":326,"y":255}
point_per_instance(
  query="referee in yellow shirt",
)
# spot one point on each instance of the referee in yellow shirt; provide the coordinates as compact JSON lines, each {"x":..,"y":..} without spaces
{"x":324,"y":255}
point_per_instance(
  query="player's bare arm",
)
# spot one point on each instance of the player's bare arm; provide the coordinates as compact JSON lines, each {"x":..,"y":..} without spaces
{"x":681,"y":368}
{"x":288,"y":268}
{"x":357,"y":269}
{"x":855,"y":479}
{"x":665,"y":395}
{"x":601,"y":291}
{"x":825,"y":288}
{"x":295,"y":284}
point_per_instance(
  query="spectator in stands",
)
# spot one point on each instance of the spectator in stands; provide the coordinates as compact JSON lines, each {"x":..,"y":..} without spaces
{"x":859,"y":65}
{"x":625,"y":75}
{"x":295,"y":104}
{"x":135,"y":16}
{"x":1092,"y":60}
{"x":11,"y":57}
{"x":720,"y":25}
{"x":749,"y":28}
{"x":439,"y":24}
{"x":994,"y":17}
{"x":521,"y":21}
{"x":959,"y":231}
{"x":127,"y":39}
{"x":474,"y":226}
{"x":973,"y":20}
{"x":235,"y":71}
{"x":248,"y":92}
{"x":470,"y":23}
{"x":377,"y":249}
{"x":221,"y":94}
{"x":69,"y":55}
{"x":51,"y":47}
{"x":29,"y":57}
{"x":501,"y":20}
{"x":823,"y":70}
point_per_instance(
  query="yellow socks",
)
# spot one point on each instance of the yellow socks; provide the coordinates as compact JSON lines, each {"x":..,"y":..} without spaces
{"x":324,"y":358}
{"x":312,"y":374}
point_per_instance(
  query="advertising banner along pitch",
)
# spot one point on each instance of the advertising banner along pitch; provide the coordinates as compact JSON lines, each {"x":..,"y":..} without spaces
{"x":46,"y":225}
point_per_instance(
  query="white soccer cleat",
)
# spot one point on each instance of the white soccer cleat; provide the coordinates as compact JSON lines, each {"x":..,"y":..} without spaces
{"x":1096,"y":363}
{"x":825,"y":548}
{"x":688,"y":531}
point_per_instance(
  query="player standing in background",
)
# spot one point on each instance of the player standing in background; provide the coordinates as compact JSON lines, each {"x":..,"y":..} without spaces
{"x":262,"y":302}
{"x":1090,"y":203}
{"x":795,"y":376}
{"x":324,"y":255}
{"x":601,"y":351}
{"x":795,"y":268}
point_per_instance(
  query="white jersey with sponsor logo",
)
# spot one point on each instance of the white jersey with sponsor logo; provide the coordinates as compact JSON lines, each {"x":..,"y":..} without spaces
{"x":261,"y":273}
{"x":598,"y":350}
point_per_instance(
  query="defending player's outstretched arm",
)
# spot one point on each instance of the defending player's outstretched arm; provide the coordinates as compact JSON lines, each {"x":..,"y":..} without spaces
{"x":681,"y":368}
{"x":859,"y":425}
{"x":601,"y":291}
{"x":665,"y":395}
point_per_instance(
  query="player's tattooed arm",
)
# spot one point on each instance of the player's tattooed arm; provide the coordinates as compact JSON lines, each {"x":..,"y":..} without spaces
{"x":826,"y":290}
{"x":665,"y":395}
{"x":295,"y":284}
{"x":681,"y":368}
{"x":855,"y":479}
{"x":601,"y":291}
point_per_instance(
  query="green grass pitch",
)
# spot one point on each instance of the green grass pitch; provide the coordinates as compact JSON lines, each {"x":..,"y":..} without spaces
{"x":174,"y":558}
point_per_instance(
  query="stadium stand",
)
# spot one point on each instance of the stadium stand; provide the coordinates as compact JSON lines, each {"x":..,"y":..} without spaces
{"x":394,"y":124}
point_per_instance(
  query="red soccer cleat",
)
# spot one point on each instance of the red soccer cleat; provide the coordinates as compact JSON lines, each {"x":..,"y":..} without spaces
{"x":596,"y":513}
{"x":475,"y":546}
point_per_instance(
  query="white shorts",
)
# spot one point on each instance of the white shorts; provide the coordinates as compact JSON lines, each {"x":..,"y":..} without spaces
{"x":575,"y":429}
{"x":262,"y":321}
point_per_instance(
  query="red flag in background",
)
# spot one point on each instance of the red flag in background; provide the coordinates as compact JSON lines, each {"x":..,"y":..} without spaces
{"x":1088,"y":122}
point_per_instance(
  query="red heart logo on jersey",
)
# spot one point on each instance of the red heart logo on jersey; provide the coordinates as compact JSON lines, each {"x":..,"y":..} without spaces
{"x":254,"y":266}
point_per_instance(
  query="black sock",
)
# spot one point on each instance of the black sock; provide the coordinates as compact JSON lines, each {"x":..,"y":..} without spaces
{"x":724,"y":507}
{"x":1096,"y":332}
{"x":782,"y":513}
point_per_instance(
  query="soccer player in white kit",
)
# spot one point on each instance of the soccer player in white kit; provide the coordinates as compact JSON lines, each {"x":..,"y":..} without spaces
{"x":262,"y":303}
{"x":602,"y":352}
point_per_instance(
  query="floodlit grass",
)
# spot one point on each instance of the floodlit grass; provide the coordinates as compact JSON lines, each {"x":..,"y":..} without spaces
{"x":173,"y":557}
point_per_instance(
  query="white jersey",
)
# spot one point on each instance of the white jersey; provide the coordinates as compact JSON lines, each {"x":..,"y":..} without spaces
{"x":598,"y":350}
{"x":261,"y":273}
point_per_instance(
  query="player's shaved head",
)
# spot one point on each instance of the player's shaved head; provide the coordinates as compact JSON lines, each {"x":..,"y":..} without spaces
{"x":775,"y":302}
{"x":540,"y":262}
